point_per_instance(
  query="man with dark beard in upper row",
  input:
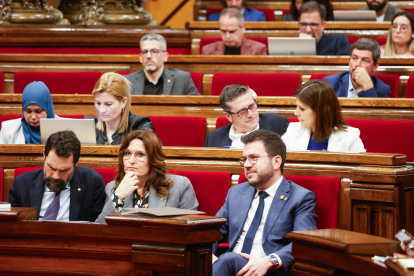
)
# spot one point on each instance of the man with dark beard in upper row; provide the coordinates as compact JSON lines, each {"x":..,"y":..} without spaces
{"x":384,"y":10}
{"x":62,"y":190}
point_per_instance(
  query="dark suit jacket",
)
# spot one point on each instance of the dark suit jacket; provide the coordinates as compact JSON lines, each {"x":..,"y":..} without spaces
{"x":249,"y":15}
{"x":248,"y":47}
{"x":272,"y":122}
{"x":87,"y":193}
{"x":333,"y":45}
{"x":176,"y":82}
{"x":340,"y":83}
{"x":294,"y":214}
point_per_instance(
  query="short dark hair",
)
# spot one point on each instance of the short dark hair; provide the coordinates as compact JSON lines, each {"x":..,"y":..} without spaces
{"x":312,"y":6}
{"x":321,"y":97}
{"x":64,"y":143}
{"x":272,"y":142}
{"x":368,"y":44}
{"x":231,"y":92}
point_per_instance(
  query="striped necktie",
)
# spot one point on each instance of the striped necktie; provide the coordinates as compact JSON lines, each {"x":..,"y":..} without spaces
{"x":53,"y":209}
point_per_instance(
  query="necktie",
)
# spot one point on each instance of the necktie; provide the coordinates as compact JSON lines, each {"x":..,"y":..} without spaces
{"x":248,"y":240}
{"x":53,"y":209}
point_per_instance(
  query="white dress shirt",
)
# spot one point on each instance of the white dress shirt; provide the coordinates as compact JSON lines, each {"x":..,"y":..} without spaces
{"x":351,"y":89}
{"x":64,"y":200}
{"x":381,"y":18}
{"x":257,"y":248}
{"x":236,"y":138}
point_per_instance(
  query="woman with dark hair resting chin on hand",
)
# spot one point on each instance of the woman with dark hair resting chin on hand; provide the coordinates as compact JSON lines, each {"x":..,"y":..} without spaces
{"x":142,"y":181}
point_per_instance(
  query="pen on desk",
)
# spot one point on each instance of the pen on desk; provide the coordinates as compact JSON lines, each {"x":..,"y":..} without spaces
{"x":230,"y":147}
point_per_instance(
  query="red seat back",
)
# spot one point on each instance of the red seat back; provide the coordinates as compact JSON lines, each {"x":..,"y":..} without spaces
{"x":381,"y":40}
{"x":408,"y":9}
{"x":198,"y":80}
{"x":326,"y":190}
{"x":19,"y":171}
{"x":393,"y":81}
{"x":58,"y":82}
{"x":107,"y":174}
{"x":262,"y":84}
{"x":210,"y":187}
{"x":180,"y":131}
{"x":318,"y":76}
{"x":387,"y":136}
{"x":409,"y":92}
{"x":207,"y":40}
{"x":1,"y":82}
{"x":269,"y":13}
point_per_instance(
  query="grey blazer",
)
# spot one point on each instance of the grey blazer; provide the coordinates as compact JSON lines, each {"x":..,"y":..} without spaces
{"x":182,"y":196}
{"x":176,"y":82}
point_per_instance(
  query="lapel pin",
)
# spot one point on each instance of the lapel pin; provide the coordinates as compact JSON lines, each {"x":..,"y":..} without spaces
{"x":162,"y":198}
{"x":285,"y":198}
{"x":169,"y":80}
{"x":282,"y":197}
{"x":79,"y":189}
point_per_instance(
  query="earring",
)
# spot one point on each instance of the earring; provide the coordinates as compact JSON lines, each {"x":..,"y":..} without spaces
{"x":123,"y":109}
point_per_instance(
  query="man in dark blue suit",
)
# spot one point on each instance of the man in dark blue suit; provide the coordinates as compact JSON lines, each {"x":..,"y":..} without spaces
{"x":359,"y":82}
{"x":312,"y":24}
{"x":248,"y":14}
{"x":262,"y":211}
{"x":62,"y":190}
{"x":240,"y":108}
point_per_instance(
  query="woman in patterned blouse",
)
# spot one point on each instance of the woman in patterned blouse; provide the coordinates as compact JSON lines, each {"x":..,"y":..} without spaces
{"x":142,"y":180}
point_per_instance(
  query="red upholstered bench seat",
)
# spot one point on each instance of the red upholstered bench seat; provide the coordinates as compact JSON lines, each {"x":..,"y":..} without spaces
{"x":262,"y":84}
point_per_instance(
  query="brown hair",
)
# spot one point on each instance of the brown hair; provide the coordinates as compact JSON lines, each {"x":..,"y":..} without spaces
{"x":272,"y":142}
{"x":117,"y":86}
{"x":320,"y":96}
{"x":156,"y":161}
{"x":389,"y":45}
{"x":312,"y":6}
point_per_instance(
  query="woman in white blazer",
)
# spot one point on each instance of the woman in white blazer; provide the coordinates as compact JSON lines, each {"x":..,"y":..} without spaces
{"x":142,"y":181}
{"x":321,"y":126}
{"x":36,"y":104}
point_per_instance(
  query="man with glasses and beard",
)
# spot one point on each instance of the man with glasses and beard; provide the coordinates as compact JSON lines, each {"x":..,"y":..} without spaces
{"x":262,"y":211}
{"x":383,"y":9}
{"x":62,"y":190}
{"x":312,"y":24}
{"x":240,"y":108}
{"x":155,"y":79}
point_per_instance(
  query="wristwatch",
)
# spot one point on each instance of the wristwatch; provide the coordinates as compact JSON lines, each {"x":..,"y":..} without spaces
{"x":274,"y":260}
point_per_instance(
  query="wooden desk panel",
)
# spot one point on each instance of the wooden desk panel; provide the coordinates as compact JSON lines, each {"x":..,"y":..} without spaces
{"x":375,"y":187}
{"x":144,"y":245}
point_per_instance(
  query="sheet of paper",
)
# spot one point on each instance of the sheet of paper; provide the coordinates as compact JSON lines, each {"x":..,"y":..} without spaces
{"x":407,"y":263}
{"x":162,"y":212}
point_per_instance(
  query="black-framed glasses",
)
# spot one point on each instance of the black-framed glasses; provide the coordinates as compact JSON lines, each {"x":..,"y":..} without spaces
{"x":139,"y":155}
{"x":152,"y":51}
{"x":253,"y":159}
{"x":303,"y":25}
{"x":242,"y":113}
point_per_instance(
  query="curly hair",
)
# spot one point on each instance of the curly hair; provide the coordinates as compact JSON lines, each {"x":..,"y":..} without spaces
{"x":156,"y":161}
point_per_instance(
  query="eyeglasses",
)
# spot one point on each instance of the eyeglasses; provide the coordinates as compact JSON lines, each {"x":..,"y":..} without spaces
{"x":403,"y":29}
{"x":139,"y":156}
{"x":303,"y":25}
{"x":252,"y":159}
{"x":152,"y":51}
{"x":242,"y":113}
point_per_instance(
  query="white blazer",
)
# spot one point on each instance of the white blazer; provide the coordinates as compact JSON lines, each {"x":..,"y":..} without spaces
{"x":297,"y":138}
{"x":12,"y":131}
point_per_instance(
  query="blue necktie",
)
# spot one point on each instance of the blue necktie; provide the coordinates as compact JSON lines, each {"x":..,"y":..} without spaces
{"x":248,"y":240}
{"x":53,"y":209}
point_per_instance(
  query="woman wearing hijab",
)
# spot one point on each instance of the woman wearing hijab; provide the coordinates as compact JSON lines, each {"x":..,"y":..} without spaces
{"x":36,"y":104}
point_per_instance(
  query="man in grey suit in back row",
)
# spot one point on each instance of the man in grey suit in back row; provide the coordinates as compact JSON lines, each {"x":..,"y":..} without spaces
{"x":155,"y":79}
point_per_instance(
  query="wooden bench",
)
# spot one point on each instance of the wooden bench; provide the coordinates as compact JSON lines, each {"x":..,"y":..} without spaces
{"x":375,"y":195}
{"x":207,"y":65}
{"x":200,"y":7}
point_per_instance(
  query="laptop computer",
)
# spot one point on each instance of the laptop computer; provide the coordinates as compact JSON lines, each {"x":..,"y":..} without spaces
{"x":83,"y":128}
{"x":292,"y":46}
{"x":355,"y":16}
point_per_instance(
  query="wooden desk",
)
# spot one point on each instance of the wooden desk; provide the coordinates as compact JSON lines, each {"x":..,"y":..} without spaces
{"x":376,"y":191}
{"x":207,"y":65}
{"x":339,"y":252}
{"x":142,"y":245}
